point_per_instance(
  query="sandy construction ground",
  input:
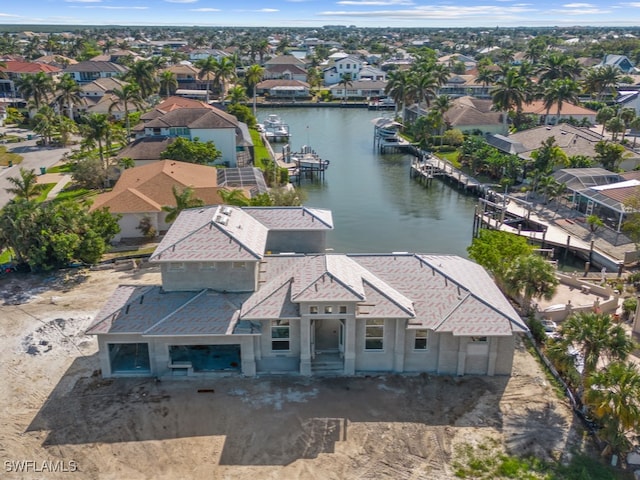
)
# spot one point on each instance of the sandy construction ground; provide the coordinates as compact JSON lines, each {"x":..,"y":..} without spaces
{"x":59,"y":414}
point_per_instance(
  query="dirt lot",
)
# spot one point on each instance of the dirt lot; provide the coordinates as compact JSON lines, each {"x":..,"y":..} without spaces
{"x":58,"y":413}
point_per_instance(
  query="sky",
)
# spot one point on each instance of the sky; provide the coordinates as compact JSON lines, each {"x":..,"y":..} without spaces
{"x":316,"y":13}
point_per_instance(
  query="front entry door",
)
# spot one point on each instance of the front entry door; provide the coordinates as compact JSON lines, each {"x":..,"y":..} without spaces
{"x":327,"y":335}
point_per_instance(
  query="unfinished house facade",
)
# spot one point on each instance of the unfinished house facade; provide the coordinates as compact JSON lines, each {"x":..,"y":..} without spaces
{"x":250,"y":291}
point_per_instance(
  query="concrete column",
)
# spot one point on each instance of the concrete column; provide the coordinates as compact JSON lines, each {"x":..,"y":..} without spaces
{"x":398,"y":352}
{"x":248,"y":358}
{"x":462,"y":355}
{"x":305,"y":346}
{"x":493,"y":355}
{"x":350,"y":346}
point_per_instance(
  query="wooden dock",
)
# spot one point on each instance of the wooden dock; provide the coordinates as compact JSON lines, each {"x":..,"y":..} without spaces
{"x":427,"y":166}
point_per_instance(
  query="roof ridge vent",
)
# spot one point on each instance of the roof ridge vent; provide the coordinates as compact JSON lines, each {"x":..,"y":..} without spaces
{"x":221,"y":219}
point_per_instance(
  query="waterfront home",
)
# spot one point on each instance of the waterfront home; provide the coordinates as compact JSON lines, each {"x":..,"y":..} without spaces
{"x":551,"y":116}
{"x":359,"y":89}
{"x":285,"y":67}
{"x":332,"y":74}
{"x":284,"y":89}
{"x":250,"y":291}
{"x":192,"y":119}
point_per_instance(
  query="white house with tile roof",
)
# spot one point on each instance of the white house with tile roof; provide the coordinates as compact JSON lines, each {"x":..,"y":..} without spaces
{"x":228,"y":306}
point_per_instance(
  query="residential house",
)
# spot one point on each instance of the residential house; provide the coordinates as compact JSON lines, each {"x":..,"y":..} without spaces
{"x":619,"y":61}
{"x":463,"y":85}
{"x":13,"y":70}
{"x":191,"y":119}
{"x":234,"y":299}
{"x":596,"y":191}
{"x":186,"y":76}
{"x":572,"y":140}
{"x":117,"y":56}
{"x":358,"y":89}
{"x":333,"y":73}
{"x":97,"y":97}
{"x":204,"y":53}
{"x":88,"y":71}
{"x":550,"y":116}
{"x":285,"y":67}
{"x":283,"y":89}
{"x":468,"y":114}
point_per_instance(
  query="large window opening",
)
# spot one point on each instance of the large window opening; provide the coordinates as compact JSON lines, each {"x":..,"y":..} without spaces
{"x":206,"y":358}
{"x":129,"y":358}
{"x":374,"y":334}
{"x":420,"y":341}
{"x":280,"y":335}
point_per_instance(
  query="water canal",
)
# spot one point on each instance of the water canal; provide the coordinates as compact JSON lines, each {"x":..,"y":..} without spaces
{"x":377,"y":207}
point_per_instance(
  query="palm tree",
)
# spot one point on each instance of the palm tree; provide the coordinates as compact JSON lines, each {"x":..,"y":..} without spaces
{"x":346,"y":81}
{"x":509,"y":93}
{"x":184,"y":199}
{"x":96,"y":129}
{"x":26,"y":185}
{"x":234,"y":197}
{"x":253,"y":76}
{"x":533,"y":276}
{"x":556,"y":66}
{"x":634,"y":125}
{"x":144,"y":74}
{"x":237,"y":94}
{"x":127,"y":95}
{"x":168,"y":82}
{"x":207,"y":68}
{"x":224,"y":73}
{"x":626,"y":115}
{"x":614,"y":397}
{"x":396,"y":88}
{"x":596,"y":337}
{"x":485,"y":76}
{"x":558,"y":92}
{"x":604,"y":115}
{"x":615,"y":125}
{"x":441,"y":105}
{"x":46,"y":123}
{"x":35,"y":87}
{"x":68,"y":94}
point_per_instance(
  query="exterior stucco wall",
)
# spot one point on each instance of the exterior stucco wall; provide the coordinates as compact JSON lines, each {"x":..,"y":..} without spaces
{"x":224,"y":140}
{"x":298,"y":242}
{"x":278,"y":361}
{"x":421,"y":360}
{"x":375,"y":361}
{"x":221,"y":276}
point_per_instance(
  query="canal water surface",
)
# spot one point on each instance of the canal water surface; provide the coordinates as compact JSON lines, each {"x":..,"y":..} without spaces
{"x":377,"y":207}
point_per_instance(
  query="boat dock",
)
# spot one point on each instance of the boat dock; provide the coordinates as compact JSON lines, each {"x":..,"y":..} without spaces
{"x":387,"y":137}
{"x":305,"y":164}
{"x":554,"y":230}
{"x":428,"y":166}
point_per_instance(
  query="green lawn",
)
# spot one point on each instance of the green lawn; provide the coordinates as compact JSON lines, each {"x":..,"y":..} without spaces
{"x":66,"y":168}
{"x":75,"y":194}
{"x":45,"y":191}
{"x":9,"y":157}
{"x":260,"y":151}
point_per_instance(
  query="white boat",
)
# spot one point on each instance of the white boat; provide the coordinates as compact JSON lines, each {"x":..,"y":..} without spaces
{"x":307,"y":158}
{"x":273,"y":121}
{"x":275,"y":129}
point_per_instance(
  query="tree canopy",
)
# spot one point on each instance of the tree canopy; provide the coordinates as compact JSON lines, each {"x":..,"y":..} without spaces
{"x":51,"y":235}
{"x":192,"y":151}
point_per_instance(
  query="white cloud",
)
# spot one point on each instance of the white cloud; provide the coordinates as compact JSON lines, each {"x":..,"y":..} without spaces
{"x":205,"y":9}
{"x":181,"y":1}
{"x":368,"y":3}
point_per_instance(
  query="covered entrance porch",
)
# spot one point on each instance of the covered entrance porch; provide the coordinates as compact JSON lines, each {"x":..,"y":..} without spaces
{"x":327,"y":346}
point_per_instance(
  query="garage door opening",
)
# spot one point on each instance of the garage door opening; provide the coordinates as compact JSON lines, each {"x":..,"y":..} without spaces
{"x":129,"y":358}
{"x":206,"y":358}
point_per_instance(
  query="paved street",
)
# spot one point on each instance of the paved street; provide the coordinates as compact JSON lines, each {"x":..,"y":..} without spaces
{"x":33,"y":157}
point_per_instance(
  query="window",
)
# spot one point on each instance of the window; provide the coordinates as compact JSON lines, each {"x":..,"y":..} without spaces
{"x":420,"y":342}
{"x":342,"y":309}
{"x":479,"y":339}
{"x":207,"y":266}
{"x":328,"y":309}
{"x":374,"y":334}
{"x":239,"y":265}
{"x":176,"y":267}
{"x":280,"y":334}
{"x":313,"y":310}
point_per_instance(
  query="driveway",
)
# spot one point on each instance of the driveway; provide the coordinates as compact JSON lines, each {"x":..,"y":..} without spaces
{"x":34,"y":157}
